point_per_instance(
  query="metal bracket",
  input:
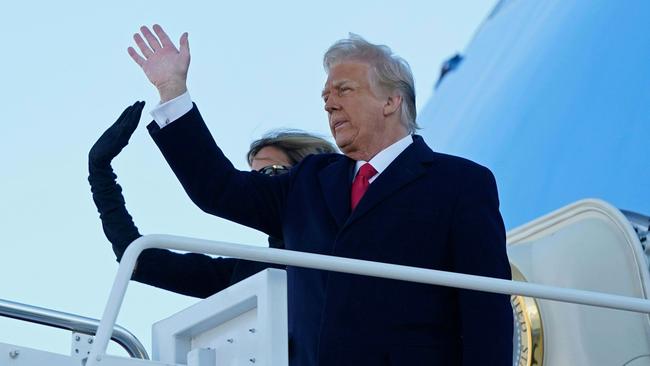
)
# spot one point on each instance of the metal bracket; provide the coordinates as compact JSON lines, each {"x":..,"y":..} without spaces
{"x":81,"y":345}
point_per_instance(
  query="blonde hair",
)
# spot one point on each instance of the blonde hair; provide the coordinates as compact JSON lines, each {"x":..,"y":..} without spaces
{"x":296,"y":144}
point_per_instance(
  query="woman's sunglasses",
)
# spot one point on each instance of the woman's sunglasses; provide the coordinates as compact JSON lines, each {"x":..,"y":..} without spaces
{"x":272,"y":170}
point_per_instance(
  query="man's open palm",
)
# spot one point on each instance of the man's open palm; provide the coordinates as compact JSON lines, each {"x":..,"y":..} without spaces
{"x":165,"y":65}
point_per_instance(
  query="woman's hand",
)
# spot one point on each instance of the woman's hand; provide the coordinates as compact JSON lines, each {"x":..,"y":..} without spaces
{"x":116,"y":137}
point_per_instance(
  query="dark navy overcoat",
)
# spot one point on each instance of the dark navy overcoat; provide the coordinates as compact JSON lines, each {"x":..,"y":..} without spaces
{"x":426,"y":210}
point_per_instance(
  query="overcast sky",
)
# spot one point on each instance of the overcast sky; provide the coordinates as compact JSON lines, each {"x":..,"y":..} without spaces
{"x":67,"y":76}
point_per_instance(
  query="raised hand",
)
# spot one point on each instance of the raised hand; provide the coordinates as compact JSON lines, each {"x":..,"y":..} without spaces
{"x":116,"y":137}
{"x":165,"y":65}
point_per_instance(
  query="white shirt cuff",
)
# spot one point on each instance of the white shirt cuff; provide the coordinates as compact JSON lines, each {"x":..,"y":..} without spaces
{"x":172,"y":110}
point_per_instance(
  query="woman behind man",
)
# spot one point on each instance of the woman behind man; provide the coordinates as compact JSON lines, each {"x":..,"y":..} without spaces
{"x":190,"y":274}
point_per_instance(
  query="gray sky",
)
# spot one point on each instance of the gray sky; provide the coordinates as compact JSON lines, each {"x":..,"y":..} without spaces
{"x":67,"y":76}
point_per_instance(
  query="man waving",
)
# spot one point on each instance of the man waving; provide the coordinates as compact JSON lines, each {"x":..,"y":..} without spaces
{"x":389,"y":198}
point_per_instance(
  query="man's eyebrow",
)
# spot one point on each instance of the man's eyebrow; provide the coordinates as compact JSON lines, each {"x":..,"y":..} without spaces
{"x":336,"y":84}
{"x":339,"y":83}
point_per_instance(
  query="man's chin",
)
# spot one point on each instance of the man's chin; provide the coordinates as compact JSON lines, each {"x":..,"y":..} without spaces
{"x":344,"y":146}
{"x":352,"y":152}
{"x":347,"y":144}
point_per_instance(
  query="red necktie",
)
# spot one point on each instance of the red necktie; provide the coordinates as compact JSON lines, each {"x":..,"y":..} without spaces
{"x":361,"y":183}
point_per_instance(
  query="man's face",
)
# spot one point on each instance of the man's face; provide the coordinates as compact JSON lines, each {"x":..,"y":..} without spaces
{"x":355,"y":109}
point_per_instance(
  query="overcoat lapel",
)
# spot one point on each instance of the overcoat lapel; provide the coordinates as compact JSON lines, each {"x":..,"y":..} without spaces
{"x":335,"y":180}
{"x":407,"y":167}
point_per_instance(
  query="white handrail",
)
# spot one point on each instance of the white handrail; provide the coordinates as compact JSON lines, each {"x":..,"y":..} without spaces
{"x":73,"y":322}
{"x":338,"y":264}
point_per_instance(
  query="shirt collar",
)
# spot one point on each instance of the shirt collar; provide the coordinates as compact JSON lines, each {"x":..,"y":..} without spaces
{"x":382,"y":160}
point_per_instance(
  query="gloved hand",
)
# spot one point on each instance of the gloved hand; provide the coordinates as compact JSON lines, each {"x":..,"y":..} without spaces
{"x":116,"y":137}
{"x":107,"y":194}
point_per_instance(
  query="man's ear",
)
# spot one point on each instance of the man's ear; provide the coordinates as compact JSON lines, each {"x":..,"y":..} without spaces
{"x":393,"y":102}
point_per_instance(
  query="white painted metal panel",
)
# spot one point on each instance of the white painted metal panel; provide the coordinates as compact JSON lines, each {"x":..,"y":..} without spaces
{"x":245,"y":324}
{"x":11,"y":355}
{"x":588,"y":245}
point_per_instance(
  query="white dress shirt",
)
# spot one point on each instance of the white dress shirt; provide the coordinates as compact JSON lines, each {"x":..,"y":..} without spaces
{"x":382,"y":160}
{"x":170,"y":111}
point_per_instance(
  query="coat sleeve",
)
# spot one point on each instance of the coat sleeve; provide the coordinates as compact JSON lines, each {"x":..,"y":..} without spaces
{"x":479,"y":248}
{"x":188,"y":274}
{"x":116,"y":221}
{"x":211,"y":181}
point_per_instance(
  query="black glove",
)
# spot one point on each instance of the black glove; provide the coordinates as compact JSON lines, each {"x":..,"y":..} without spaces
{"x":107,"y":194}
{"x":116,"y":137}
